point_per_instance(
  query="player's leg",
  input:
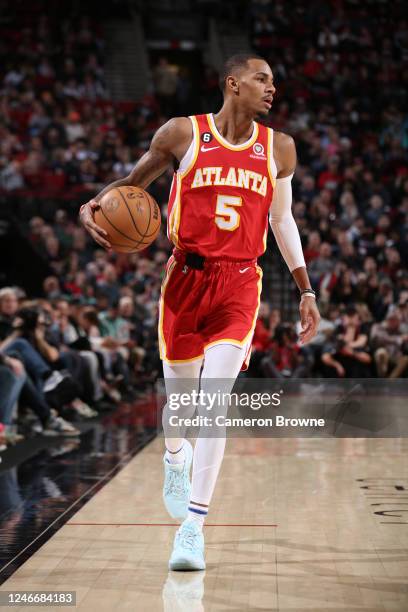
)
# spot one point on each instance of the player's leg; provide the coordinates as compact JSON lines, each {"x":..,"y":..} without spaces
{"x":222,"y":364}
{"x":179,"y":379}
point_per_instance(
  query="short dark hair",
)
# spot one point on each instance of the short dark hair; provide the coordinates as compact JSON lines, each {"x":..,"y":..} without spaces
{"x":350,"y":311}
{"x":240,"y":60}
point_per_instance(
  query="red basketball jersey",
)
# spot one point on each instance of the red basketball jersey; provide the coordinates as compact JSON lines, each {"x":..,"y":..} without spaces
{"x":221,"y":193}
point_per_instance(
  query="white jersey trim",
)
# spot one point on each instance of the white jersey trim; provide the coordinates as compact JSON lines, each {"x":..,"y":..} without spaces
{"x":226,"y":143}
{"x":271,"y":159}
{"x":189,"y":154}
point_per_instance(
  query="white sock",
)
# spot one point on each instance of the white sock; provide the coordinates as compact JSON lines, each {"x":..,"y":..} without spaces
{"x":221,"y":367}
{"x":197,"y":513}
{"x":176,"y":457}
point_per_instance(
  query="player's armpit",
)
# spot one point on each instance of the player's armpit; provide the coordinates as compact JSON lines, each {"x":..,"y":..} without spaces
{"x":170,"y":142}
{"x":284,"y":152}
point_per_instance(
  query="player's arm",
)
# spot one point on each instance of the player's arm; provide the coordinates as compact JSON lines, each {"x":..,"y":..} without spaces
{"x":286,"y":233}
{"x":167,"y":144}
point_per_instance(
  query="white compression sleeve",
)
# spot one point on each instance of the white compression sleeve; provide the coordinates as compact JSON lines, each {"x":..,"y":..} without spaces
{"x":284,"y":226}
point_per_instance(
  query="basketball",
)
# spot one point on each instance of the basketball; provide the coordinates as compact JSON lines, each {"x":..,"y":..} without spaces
{"x":131,"y":218}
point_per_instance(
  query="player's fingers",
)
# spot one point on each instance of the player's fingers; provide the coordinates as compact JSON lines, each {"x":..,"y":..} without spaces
{"x":315,"y":320}
{"x":303,"y":318}
{"x":87,"y":217}
{"x":100,"y":240}
{"x":306,"y":329}
{"x":94,"y":227}
{"x":307,"y":332}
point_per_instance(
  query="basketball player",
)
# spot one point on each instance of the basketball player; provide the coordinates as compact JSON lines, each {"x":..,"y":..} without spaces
{"x":232,"y":173}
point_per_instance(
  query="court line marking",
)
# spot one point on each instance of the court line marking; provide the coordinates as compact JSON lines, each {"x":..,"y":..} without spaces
{"x":172,"y":524}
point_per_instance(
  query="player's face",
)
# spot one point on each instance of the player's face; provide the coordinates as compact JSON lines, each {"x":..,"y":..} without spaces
{"x":256,"y":87}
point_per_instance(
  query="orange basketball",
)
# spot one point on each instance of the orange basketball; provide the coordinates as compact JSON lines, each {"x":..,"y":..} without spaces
{"x":131,"y":218}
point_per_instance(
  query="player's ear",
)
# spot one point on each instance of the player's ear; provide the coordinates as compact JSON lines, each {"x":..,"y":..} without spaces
{"x":232,"y":84}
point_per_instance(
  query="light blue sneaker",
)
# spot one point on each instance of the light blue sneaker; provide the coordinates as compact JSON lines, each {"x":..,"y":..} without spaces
{"x":177,"y":486}
{"x":188,"y":550}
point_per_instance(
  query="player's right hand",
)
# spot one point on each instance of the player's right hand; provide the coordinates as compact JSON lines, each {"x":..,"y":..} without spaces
{"x":86,"y":215}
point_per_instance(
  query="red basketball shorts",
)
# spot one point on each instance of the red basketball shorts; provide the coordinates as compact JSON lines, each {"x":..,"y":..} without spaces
{"x":202,"y":308}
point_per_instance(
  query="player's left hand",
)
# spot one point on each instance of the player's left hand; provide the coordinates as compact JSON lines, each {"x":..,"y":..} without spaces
{"x":309,"y":318}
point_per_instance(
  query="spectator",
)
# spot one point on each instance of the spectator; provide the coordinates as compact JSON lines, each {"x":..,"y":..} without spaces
{"x":322,"y":264}
{"x":285,"y":359}
{"x":347,"y":355}
{"x":390,"y":346}
{"x":166,"y":83}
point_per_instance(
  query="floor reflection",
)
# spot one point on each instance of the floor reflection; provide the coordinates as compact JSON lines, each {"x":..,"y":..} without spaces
{"x":184,"y":592}
{"x":38,"y":495}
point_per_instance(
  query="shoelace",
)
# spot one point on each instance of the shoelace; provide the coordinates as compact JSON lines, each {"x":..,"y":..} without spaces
{"x":187,"y":539}
{"x":176,"y":484}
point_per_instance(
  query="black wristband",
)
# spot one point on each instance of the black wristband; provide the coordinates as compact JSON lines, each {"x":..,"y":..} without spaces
{"x":306,"y":291}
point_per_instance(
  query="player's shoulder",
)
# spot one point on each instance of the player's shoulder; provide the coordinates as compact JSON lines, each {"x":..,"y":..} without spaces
{"x":177,"y":125}
{"x":283,"y":141}
{"x":171,"y":134}
{"x":284,"y":153}
{"x":180,"y":121}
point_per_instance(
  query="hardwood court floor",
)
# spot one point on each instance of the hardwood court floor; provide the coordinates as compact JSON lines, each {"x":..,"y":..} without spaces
{"x":293,"y":527}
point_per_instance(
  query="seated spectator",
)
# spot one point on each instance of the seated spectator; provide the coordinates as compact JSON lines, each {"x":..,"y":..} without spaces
{"x":346,"y":354}
{"x":383,"y":299}
{"x":312,"y":351}
{"x":285,"y":359}
{"x":312,"y":249}
{"x":262,"y":340}
{"x":112,"y":361}
{"x":322,"y":264}
{"x":390,"y":346}
{"x":12,"y":379}
{"x":344,"y":291}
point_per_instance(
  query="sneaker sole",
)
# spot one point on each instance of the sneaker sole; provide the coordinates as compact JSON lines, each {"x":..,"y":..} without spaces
{"x":185,"y":565}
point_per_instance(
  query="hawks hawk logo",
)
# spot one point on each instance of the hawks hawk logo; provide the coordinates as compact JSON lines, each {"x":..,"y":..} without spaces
{"x":258,"y":149}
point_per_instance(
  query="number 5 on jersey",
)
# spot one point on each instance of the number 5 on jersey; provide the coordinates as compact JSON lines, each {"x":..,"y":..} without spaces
{"x":227,"y":218}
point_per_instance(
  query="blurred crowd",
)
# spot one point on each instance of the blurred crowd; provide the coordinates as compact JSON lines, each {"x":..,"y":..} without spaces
{"x":341,"y":77}
{"x":63,"y":360}
{"x":90,"y":340}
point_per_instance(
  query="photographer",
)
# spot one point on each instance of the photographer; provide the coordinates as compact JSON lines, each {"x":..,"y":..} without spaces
{"x":37,"y":322}
{"x":17,"y":353}
{"x":15,"y":332}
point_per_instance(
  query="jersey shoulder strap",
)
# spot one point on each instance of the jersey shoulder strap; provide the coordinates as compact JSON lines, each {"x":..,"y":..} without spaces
{"x":273,"y":171}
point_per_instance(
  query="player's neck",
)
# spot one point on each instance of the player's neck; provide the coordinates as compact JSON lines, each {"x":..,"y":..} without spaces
{"x":234,"y":124}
